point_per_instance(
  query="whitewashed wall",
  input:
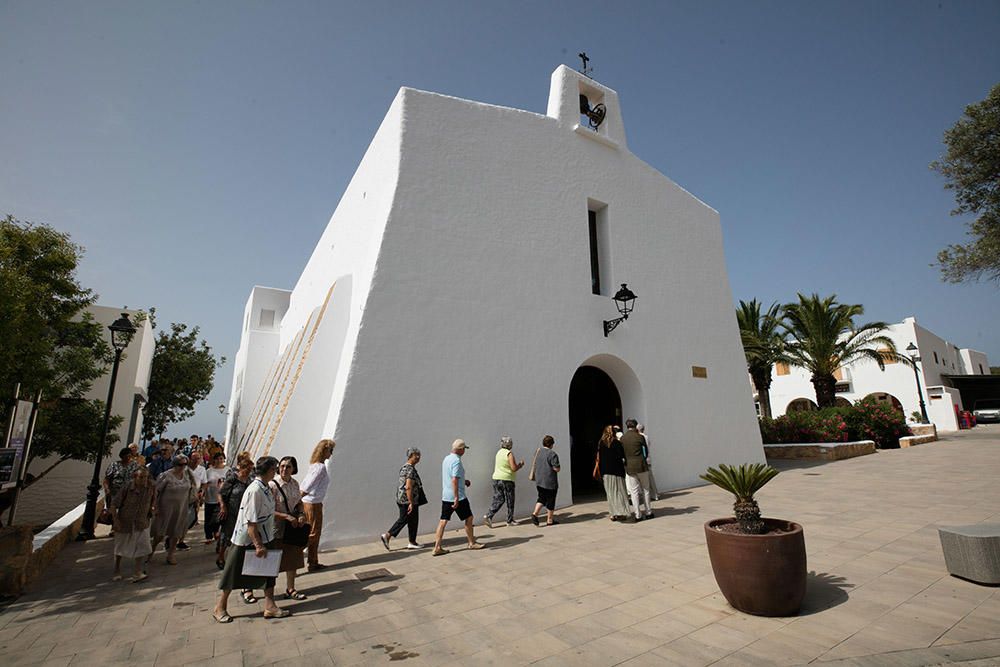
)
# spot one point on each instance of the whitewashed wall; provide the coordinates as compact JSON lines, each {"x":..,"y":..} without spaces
{"x":462,"y":249}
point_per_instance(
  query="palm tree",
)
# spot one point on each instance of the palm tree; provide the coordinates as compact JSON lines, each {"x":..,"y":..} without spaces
{"x":822,"y":337}
{"x":763,"y":345}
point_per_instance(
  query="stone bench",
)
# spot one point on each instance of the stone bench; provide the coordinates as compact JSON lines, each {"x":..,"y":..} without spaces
{"x":972,"y":552}
{"x":825,"y":451}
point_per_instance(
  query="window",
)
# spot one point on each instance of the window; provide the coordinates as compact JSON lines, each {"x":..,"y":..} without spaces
{"x":981,"y":370}
{"x":595,"y":255}
{"x":886,"y":355}
{"x":266,"y":319}
{"x":936,"y":358}
{"x":599,"y":239}
{"x":781,"y":368}
{"x":838,"y":374}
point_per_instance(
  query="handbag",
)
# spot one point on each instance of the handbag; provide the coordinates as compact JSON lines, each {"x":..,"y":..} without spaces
{"x":421,"y":496}
{"x":296,"y":536}
{"x":534,"y":459}
{"x":104,"y":518}
{"x":597,"y":465}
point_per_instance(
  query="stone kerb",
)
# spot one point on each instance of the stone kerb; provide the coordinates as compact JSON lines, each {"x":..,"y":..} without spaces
{"x":24,"y":556}
{"x":824,"y":451}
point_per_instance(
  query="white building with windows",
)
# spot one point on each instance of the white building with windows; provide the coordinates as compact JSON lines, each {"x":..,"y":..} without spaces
{"x":65,"y":487}
{"x":791,"y":388}
{"x":459,"y":291}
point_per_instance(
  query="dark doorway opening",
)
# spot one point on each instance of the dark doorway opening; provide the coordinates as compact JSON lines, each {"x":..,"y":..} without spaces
{"x":594,"y":403}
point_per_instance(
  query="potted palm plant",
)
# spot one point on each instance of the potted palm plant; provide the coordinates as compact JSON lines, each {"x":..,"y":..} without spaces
{"x":759,"y":563}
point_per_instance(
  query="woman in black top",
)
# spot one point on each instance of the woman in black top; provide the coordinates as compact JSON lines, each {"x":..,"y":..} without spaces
{"x":611,"y":461}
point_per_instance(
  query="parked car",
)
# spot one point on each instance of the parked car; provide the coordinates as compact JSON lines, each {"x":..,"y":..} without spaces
{"x":987,"y":410}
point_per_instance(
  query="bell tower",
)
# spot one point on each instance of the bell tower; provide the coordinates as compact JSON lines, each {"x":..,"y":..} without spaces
{"x":579,"y":104}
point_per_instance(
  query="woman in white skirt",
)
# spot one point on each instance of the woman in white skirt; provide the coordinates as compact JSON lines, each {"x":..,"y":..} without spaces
{"x":131,"y":509}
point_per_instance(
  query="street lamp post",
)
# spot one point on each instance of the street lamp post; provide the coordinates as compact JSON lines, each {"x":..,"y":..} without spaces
{"x":911,"y":351}
{"x":122,"y":331}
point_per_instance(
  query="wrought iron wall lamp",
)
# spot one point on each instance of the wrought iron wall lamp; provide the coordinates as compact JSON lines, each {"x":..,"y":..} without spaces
{"x":624,"y":300}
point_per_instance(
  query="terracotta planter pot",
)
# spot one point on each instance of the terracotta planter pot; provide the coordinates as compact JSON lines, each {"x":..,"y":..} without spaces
{"x":763,"y":575}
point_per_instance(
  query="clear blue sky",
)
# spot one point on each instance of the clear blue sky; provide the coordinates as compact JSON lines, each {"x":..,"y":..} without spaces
{"x":197,"y":149}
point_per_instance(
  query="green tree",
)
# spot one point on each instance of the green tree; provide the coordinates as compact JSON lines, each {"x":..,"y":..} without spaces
{"x":182,"y":373}
{"x":50,"y":342}
{"x":821,"y":337}
{"x":971,"y":167}
{"x":763,"y":346}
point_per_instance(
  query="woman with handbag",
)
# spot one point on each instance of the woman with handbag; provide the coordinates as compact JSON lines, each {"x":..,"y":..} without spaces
{"x":290,"y":530}
{"x":611,"y":470}
{"x":176,"y":489}
{"x":253,"y":536}
{"x":409,"y":497}
{"x":131,"y":509}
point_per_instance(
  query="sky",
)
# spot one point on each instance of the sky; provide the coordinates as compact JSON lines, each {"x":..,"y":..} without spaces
{"x":196,"y":149}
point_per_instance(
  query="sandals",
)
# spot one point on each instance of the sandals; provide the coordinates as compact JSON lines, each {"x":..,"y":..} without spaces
{"x":476,"y":545}
{"x":281,"y":613}
{"x":221,"y":564}
{"x":292,"y":594}
{"x":139,"y":577}
{"x":225,"y":618}
{"x":248,"y":596}
{"x":385,"y":540}
{"x":440,"y":552}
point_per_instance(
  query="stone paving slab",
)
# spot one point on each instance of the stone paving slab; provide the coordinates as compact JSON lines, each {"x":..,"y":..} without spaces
{"x":586,"y":592}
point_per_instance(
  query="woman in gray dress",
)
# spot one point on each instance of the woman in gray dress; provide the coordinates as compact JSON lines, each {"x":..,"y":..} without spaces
{"x":175,"y":490}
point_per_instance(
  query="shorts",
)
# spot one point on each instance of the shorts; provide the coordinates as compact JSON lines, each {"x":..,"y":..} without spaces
{"x":547,"y":497}
{"x":464,"y":511}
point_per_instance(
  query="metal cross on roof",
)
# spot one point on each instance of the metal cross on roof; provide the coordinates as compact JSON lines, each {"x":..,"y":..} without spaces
{"x":587,"y":70}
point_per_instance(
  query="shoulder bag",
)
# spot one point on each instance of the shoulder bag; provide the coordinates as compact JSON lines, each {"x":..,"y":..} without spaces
{"x":297,"y":536}
{"x":534,"y":460}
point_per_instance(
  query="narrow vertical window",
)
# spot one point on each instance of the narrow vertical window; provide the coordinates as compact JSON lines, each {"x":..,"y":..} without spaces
{"x":595,"y":261}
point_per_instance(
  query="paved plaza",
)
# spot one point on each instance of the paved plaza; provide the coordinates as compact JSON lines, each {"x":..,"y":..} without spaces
{"x":586,"y":592}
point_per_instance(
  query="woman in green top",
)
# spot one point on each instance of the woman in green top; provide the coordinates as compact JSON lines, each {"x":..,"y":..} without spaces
{"x":503,"y":481}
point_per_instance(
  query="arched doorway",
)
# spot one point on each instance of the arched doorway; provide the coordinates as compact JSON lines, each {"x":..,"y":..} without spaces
{"x":594,"y":402}
{"x":885,"y":397}
{"x":801,"y":405}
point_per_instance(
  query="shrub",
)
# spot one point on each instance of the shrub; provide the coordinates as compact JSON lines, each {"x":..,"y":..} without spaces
{"x":827,"y":425}
{"x":868,"y":419}
{"x":871,"y":419}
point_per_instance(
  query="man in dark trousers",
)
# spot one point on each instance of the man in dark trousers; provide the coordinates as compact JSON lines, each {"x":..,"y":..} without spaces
{"x":636,"y":470}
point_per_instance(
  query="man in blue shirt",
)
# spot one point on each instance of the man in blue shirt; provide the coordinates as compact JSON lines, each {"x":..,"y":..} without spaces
{"x":453,"y":500}
{"x":163,"y":463}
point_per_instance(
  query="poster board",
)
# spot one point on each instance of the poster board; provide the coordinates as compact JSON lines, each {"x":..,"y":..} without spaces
{"x":18,"y":440}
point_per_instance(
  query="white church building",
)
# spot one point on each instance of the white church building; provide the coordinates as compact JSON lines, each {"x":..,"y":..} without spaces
{"x":940,"y":364}
{"x":459,"y":291}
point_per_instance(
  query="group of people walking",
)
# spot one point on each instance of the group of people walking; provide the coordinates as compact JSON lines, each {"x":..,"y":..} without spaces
{"x":252,"y":507}
{"x":622,"y":464}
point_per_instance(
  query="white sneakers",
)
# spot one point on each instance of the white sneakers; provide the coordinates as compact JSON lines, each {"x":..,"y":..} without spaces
{"x":416,"y":546}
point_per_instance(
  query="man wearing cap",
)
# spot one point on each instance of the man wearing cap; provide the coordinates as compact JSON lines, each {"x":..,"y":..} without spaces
{"x":453,"y":499}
